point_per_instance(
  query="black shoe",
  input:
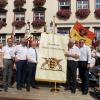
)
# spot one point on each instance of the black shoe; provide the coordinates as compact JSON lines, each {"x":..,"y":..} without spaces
{"x":35,"y":87}
{"x":73,"y":91}
{"x":23,"y":86}
{"x":10,"y":86}
{"x":27,"y":89}
{"x":0,"y":90}
{"x":84,"y":92}
{"x":5,"y":90}
{"x":67,"y":88}
{"x":19,"y":88}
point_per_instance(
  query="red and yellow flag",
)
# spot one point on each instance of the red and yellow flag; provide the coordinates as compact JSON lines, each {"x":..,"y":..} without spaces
{"x":79,"y":32}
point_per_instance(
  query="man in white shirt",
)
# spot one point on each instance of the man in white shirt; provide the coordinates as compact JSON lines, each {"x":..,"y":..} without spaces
{"x":72,"y":62}
{"x":31,"y":68}
{"x":84,"y":65}
{"x":8,"y":64}
{"x":20,"y":53}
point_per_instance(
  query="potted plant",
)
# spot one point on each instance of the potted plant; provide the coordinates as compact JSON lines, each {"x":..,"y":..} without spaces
{"x":2,"y":24}
{"x":64,"y":14}
{"x":97,"y":13}
{"x":38,"y":23}
{"x":18,"y":3}
{"x":3,"y":3}
{"x":82,"y":13}
{"x":39,"y":2}
{"x":18,"y":24}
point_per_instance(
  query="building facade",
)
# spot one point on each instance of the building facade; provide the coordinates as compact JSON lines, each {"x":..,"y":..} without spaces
{"x":33,"y":17}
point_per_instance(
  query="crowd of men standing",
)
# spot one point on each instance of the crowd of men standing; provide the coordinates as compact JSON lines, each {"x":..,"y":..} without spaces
{"x":25,"y":59}
{"x":84,"y":58}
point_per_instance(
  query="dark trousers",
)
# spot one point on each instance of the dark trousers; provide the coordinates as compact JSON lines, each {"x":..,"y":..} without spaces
{"x":97,"y":61}
{"x":7,"y":73}
{"x":21,"y":72}
{"x":84,"y":75}
{"x":31,"y":70}
{"x":71,"y":74}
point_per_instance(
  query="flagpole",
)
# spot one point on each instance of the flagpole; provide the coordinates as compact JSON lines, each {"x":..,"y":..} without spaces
{"x":54,"y":89}
{"x":54,"y":24}
{"x":13,"y":30}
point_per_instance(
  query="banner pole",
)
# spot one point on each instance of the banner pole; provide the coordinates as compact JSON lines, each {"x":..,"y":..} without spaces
{"x":54,"y":24}
{"x":55,"y":89}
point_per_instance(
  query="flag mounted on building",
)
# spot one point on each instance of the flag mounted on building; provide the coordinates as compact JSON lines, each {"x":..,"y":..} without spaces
{"x":80,"y":32}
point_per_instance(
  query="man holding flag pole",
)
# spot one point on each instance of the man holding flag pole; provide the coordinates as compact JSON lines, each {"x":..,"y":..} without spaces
{"x":85,"y":37}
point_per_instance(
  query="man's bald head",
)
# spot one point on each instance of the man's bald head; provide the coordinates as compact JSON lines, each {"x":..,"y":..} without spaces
{"x":71,"y":40}
{"x":23,"y":41}
{"x":71,"y":43}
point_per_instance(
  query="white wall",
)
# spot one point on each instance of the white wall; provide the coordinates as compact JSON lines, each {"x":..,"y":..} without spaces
{"x":51,"y":10}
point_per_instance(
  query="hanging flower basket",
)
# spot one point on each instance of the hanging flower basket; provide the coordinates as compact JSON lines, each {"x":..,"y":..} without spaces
{"x":82,"y":13}
{"x":3,"y":3}
{"x":2,"y":24}
{"x":18,"y":3}
{"x":18,"y":24}
{"x":97,"y":13}
{"x":38,"y":23}
{"x":64,"y":14}
{"x":39,"y":2}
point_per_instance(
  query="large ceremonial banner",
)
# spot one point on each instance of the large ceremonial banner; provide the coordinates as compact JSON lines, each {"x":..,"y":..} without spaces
{"x":52,"y":63}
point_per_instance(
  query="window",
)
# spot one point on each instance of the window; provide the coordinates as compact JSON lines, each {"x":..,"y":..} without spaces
{"x":20,"y":17}
{"x":19,"y":37}
{"x":97,"y":4}
{"x":3,"y":39}
{"x":2,"y":17}
{"x":36,"y":36}
{"x":39,"y":15}
{"x":64,"y":4}
{"x":82,"y":4}
{"x":97,"y":31}
{"x":63,"y":30}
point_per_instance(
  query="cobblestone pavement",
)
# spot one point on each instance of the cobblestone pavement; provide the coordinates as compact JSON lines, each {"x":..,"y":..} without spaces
{"x":44,"y":93}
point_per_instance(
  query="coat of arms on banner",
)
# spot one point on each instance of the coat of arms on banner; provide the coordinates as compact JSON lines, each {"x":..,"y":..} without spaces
{"x":52,"y":64}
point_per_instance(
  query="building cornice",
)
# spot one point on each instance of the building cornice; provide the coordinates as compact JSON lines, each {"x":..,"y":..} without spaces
{"x":84,"y":23}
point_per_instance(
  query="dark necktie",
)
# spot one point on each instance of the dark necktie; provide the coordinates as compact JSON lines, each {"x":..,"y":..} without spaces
{"x":36,"y":54}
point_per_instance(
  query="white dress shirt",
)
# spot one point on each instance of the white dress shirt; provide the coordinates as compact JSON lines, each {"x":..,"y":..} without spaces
{"x":32,"y":55}
{"x":85,"y":53}
{"x":7,"y":52}
{"x":93,"y":60}
{"x":1,"y":58}
{"x":74,"y":50}
{"x":20,"y":52}
{"x":98,"y":54}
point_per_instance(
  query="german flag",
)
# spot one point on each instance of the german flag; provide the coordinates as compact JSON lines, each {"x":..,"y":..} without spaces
{"x":79,"y":32}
